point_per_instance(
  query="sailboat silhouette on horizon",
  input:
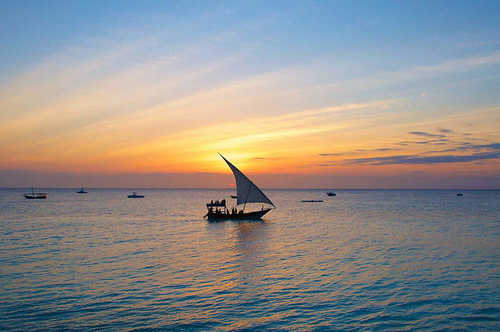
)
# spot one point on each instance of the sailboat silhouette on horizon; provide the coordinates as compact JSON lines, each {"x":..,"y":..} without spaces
{"x":247,"y":192}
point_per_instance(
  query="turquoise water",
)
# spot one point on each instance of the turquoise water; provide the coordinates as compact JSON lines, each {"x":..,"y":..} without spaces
{"x":363,"y":260}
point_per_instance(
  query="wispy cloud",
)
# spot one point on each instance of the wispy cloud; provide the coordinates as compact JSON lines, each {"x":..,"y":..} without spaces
{"x":331,"y":154}
{"x":267,"y":158}
{"x":292,"y":124}
{"x":357,"y":151}
{"x":416,"y":159}
{"x":395,"y":78}
{"x":440,"y":141}
{"x":467,"y":146}
{"x":445,"y":131}
{"x":387,"y":149}
{"x":425,"y":134}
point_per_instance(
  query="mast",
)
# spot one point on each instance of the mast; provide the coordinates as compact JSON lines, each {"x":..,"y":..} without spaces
{"x":246,"y":199}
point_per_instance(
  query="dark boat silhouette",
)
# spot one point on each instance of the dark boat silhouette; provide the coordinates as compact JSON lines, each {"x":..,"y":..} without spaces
{"x":81,"y":191}
{"x":331,"y":193}
{"x":135,"y":195}
{"x":460,"y":194}
{"x":217,"y":211}
{"x":247,"y":192}
{"x":34,"y":195}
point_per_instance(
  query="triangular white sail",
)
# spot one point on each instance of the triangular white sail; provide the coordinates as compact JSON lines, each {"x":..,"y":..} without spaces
{"x":246,"y":190}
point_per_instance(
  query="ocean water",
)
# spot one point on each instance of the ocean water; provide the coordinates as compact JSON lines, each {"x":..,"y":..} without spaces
{"x":363,"y":260}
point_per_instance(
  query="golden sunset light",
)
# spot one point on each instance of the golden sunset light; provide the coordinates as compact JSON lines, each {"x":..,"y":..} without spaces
{"x":285,"y":165}
{"x":139,"y":99}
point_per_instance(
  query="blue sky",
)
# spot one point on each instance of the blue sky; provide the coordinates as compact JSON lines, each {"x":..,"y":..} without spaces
{"x":407,"y":32}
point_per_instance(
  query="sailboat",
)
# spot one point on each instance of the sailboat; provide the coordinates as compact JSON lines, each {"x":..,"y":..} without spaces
{"x":135,"y":195}
{"x":34,"y":195}
{"x":81,"y":191}
{"x":247,"y":192}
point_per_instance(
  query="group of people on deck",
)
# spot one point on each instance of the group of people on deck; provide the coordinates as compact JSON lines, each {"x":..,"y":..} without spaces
{"x":217,"y":203}
{"x":224,"y":210}
{"x":234,"y":210}
{"x":220,"y":208}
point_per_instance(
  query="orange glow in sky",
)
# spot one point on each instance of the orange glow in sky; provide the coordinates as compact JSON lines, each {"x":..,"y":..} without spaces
{"x":157,"y":99}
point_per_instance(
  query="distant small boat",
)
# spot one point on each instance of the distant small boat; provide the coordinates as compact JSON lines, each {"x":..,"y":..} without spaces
{"x":331,"y":193}
{"x":81,"y":191}
{"x":460,"y":194}
{"x":34,"y":195}
{"x":311,"y":201}
{"x":135,"y":195}
{"x":234,"y":196}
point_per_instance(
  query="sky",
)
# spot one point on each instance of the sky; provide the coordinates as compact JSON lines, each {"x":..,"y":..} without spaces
{"x":305,"y":94}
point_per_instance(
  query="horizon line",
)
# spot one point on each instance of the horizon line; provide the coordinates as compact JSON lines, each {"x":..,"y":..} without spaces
{"x":274,"y":189}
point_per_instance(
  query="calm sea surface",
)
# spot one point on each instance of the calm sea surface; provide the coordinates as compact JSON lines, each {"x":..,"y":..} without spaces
{"x":363,"y":260}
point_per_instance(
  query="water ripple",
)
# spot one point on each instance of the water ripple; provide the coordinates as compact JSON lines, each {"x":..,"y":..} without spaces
{"x":368,"y":260}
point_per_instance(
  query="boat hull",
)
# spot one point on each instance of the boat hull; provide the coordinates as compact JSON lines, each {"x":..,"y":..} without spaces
{"x":35,"y":196}
{"x":254,"y":215}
